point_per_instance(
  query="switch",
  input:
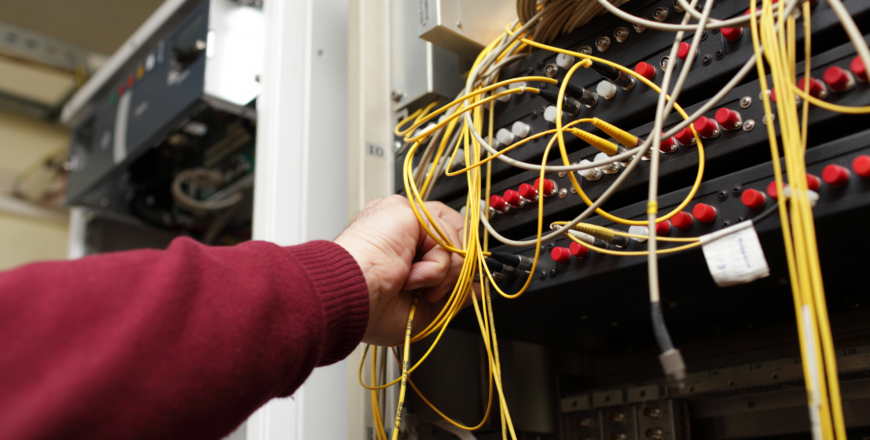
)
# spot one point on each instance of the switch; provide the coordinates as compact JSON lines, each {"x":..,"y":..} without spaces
{"x":550,"y":188}
{"x":838,"y":79}
{"x":728,"y":119}
{"x":706,"y":127}
{"x":817,"y":88}
{"x":513,"y":198}
{"x":857,"y":68}
{"x":683,"y":220}
{"x":645,"y":70}
{"x":704,"y":213}
{"x":813,"y":182}
{"x":498,"y":204}
{"x":560,"y":255}
{"x":663,"y":228}
{"x":668,"y":145}
{"x":861,"y":166}
{"x":683,"y":51}
{"x":732,"y":34}
{"x":606,"y":89}
{"x":505,"y":137}
{"x":528,"y":192}
{"x":753,"y":199}
{"x":685,"y":137}
{"x":578,"y":250}
{"x":835,"y":175}
{"x":520,"y":129}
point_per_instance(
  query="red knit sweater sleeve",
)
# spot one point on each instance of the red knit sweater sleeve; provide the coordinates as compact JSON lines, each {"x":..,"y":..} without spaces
{"x":177,"y":344}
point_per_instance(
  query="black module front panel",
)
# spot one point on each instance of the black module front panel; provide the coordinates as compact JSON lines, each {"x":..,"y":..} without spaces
{"x":152,"y":94}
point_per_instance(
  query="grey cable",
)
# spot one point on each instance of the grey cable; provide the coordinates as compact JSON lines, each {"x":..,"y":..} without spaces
{"x":742,"y":21}
{"x":852,"y":30}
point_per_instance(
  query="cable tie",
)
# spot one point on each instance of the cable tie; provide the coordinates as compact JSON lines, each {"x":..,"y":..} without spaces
{"x":652,"y":207}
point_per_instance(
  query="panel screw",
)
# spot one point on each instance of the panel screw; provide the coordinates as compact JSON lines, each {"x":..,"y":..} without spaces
{"x":551,"y":245}
{"x":723,"y":195}
{"x":540,"y":65}
{"x":740,"y":219}
{"x":748,"y":125}
{"x":529,"y":71}
{"x":745,"y":101}
{"x":782,"y":281}
{"x":573,"y":190}
{"x":551,"y":70}
{"x":704,"y":35}
{"x":534,"y":114}
{"x":562,"y":173}
{"x":736,"y":190}
{"x":542,"y":275}
{"x":459,"y":24}
{"x":553,"y":273}
{"x":719,"y":54}
{"x":706,"y":60}
{"x":397,"y":95}
{"x":397,"y":146}
{"x":563,"y":193}
{"x":768,"y":119}
{"x":726,"y":223}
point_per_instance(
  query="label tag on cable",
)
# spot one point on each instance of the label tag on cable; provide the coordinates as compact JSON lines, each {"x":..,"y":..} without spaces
{"x":734,"y":255}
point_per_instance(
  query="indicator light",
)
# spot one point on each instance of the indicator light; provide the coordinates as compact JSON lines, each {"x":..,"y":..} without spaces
{"x":835,"y":175}
{"x":130,"y":81}
{"x":520,"y":129}
{"x":505,"y":137}
{"x":704,"y":213}
{"x":857,"y":68}
{"x":668,"y":145}
{"x":550,"y":187}
{"x":498,"y":204}
{"x":121,"y":90}
{"x":560,"y":255}
{"x":706,"y":127}
{"x":514,"y":199}
{"x":813,"y":182}
{"x":817,"y":88}
{"x":838,"y":79}
{"x":861,"y":166}
{"x":685,"y":137}
{"x":578,"y":250}
{"x":663,"y":228}
{"x":683,"y":220}
{"x":683,"y":51}
{"x":753,"y":199}
{"x":645,"y":70}
{"x":606,"y":89}
{"x":140,"y":72}
{"x":732,"y":34}
{"x":528,"y":192}
{"x":728,"y":119}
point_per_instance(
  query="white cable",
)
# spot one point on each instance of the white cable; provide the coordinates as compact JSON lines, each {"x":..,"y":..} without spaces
{"x":742,"y":21}
{"x":852,"y":30}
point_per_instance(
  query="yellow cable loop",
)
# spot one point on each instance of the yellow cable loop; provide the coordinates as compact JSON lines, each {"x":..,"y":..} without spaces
{"x":397,"y":130}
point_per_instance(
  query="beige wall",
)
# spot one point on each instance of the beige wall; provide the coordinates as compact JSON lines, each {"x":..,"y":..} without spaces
{"x":25,"y":238}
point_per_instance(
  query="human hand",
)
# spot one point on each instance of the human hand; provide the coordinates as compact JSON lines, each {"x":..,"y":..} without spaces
{"x":397,"y":258}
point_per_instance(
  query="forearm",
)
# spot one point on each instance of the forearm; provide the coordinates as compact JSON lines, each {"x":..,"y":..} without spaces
{"x":182,"y":343}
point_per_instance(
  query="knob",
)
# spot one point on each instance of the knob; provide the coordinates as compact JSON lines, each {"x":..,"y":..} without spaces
{"x":732,"y":34}
{"x":753,"y":199}
{"x":685,"y":136}
{"x":835,"y":175}
{"x":497,"y":203}
{"x":668,"y":145}
{"x":816,"y":88}
{"x":560,"y":255}
{"x":728,"y":119}
{"x":857,"y":68}
{"x":645,"y":70}
{"x":528,"y":192}
{"x":513,"y":198}
{"x":549,"y":187}
{"x":838,"y":79}
{"x":861,"y":166}
{"x":578,"y":250}
{"x":813,"y":182}
{"x":663,"y":228}
{"x":706,"y":127}
{"x":683,"y":220}
{"x":683,"y":51}
{"x":704,"y":213}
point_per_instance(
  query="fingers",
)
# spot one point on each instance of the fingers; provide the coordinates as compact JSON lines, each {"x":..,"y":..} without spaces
{"x":446,"y":214}
{"x":430,"y":271}
{"x":435,"y":293}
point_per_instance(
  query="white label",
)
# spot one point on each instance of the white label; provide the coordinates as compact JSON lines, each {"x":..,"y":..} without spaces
{"x":734,"y":255}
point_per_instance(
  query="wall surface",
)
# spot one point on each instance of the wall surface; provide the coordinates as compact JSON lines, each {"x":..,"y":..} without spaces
{"x":26,"y":237}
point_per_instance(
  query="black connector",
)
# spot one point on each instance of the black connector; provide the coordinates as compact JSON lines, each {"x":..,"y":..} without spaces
{"x":518,"y":261}
{"x":569,"y":104}
{"x":497,"y":267}
{"x":614,"y":75}
{"x":584,"y":96}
